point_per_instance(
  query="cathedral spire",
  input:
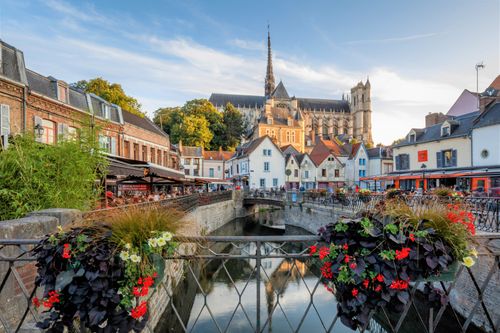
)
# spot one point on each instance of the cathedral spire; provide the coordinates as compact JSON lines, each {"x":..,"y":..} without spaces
{"x":269,"y":85}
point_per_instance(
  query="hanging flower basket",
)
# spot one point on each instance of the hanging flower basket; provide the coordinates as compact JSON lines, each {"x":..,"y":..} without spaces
{"x":103,"y":274}
{"x":370,"y":261}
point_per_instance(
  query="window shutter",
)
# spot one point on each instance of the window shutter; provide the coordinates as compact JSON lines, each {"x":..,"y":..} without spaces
{"x":38,"y":122}
{"x":454,"y":157}
{"x":5,"y":120}
{"x":61,"y":134}
{"x":439,"y":159}
{"x":113,"y":146}
{"x":398,"y":162}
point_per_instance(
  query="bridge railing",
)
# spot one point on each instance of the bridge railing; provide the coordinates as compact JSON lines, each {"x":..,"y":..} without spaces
{"x":274,"y":284}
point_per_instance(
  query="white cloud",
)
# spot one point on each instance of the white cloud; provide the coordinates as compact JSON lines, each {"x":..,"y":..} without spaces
{"x":393,"y":39}
{"x":168,"y":71}
{"x":248,"y":44}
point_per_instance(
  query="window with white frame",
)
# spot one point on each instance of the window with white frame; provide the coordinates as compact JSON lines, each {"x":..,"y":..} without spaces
{"x":49,"y":131}
{"x":266,"y":166}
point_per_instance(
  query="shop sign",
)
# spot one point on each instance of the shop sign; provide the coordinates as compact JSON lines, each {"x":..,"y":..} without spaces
{"x":135,"y":187}
{"x":422,"y":155}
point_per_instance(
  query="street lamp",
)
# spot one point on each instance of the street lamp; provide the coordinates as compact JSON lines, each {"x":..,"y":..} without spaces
{"x":39,"y":130}
{"x":423,"y":167}
{"x":479,"y":65}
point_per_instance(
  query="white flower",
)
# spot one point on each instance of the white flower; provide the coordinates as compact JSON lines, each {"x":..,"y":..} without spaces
{"x":135,"y":258}
{"x":473,"y":252}
{"x":124,"y":255}
{"x":128,"y":246}
{"x":468,"y":262}
{"x":167,"y":236}
{"x":153,"y":242}
{"x":161,"y":242}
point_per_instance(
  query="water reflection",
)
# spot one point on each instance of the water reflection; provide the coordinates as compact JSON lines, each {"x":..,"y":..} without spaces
{"x":286,"y":286}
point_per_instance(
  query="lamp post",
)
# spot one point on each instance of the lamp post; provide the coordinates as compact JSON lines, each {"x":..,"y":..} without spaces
{"x":479,"y":65}
{"x":39,"y":130}
{"x":423,"y":167}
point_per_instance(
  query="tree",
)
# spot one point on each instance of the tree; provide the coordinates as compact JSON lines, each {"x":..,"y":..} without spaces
{"x":234,"y":127}
{"x":167,"y":117}
{"x":36,"y":176}
{"x":202,"y":108}
{"x":112,"y":92}
{"x":193,"y":131}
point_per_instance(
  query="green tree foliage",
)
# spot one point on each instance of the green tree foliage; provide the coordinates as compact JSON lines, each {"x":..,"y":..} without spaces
{"x":224,"y":129}
{"x":234,"y":127}
{"x":112,"y":92}
{"x":193,"y":131}
{"x":36,"y":176}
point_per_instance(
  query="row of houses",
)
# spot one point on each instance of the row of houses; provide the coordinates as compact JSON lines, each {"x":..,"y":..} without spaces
{"x":459,"y":149}
{"x":140,"y":154}
{"x":330,"y":164}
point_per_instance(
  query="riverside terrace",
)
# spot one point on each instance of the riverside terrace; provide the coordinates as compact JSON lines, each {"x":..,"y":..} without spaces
{"x":277,"y":262}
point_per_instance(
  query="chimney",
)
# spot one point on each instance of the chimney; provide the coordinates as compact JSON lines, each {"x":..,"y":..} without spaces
{"x":434,"y":118}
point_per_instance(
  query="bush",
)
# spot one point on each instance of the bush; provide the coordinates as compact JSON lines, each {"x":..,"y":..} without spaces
{"x":370,"y":261}
{"x":36,"y":176}
{"x":104,"y":273}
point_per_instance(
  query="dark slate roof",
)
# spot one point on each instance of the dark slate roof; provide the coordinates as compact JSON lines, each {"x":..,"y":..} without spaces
{"x":249,"y":101}
{"x":248,"y":147}
{"x":300,"y":158}
{"x":280,"y":92}
{"x":12,"y":62}
{"x":192,"y":151}
{"x":373,"y":152}
{"x":41,"y":84}
{"x":318,"y":104}
{"x":379,"y":152}
{"x":489,"y":117}
{"x":433,"y":133}
{"x":142,"y":122}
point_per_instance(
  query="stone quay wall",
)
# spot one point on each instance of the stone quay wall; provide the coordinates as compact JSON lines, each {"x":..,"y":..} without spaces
{"x":13,"y":303}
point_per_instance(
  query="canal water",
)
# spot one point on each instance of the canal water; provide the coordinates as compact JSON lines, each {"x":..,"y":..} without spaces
{"x":230,"y":293}
{"x":291,"y":282}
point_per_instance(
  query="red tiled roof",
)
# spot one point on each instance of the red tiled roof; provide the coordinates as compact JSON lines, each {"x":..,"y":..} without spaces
{"x":219,"y":155}
{"x":323,"y":149}
{"x":354,"y":150}
{"x":496,"y":83}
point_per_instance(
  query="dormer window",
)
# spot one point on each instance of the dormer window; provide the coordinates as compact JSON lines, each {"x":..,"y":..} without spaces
{"x":106,"y":111}
{"x":62,"y":92}
{"x":445,"y":130}
{"x":269,"y":120}
{"x":412,"y":137}
{"x":290,"y":122}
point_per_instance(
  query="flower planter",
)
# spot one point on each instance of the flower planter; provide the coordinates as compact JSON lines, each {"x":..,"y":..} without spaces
{"x":371,"y":260}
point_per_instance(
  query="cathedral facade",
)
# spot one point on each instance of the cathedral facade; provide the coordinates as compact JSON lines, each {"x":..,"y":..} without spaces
{"x":298,"y":121}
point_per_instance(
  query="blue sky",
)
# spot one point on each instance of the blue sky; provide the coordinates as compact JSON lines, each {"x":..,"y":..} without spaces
{"x":419,"y":55}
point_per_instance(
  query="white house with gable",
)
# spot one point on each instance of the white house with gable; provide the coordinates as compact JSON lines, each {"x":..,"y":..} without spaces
{"x":258,"y":164}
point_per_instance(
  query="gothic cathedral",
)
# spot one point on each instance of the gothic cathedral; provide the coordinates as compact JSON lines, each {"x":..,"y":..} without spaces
{"x":299,"y":121}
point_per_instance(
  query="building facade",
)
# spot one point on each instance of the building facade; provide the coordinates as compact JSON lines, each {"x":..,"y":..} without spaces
{"x":258,"y":164}
{"x":214,"y":163}
{"x":51,"y":110}
{"x":306,"y":117}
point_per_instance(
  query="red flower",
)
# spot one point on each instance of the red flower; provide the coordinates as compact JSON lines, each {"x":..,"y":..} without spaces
{"x":139,"y":281}
{"x":324,"y":252}
{"x":353,"y":265}
{"x":345,"y":247}
{"x":144,"y":291}
{"x":148,"y":282}
{"x":36,"y":302}
{"x":155,"y":275}
{"x":326,"y":270}
{"x":412,"y":237}
{"x":400,"y":255}
{"x":347,"y":258}
{"x":378,"y":288}
{"x":66,"y":251}
{"x":399,"y":284}
{"x":366,"y":282}
{"x":313,"y":249}
{"x":354,"y":292}
{"x":379,"y":278}
{"x":139,"y":310}
{"x":136,"y":292}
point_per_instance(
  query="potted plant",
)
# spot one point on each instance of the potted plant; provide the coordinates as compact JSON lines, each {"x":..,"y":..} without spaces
{"x":370,"y":261}
{"x":102,"y":274}
{"x":364,"y":194}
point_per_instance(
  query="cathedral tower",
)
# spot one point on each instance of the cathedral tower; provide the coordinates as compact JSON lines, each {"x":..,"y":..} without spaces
{"x":269,"y":85}
{"x":362,"y":112}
